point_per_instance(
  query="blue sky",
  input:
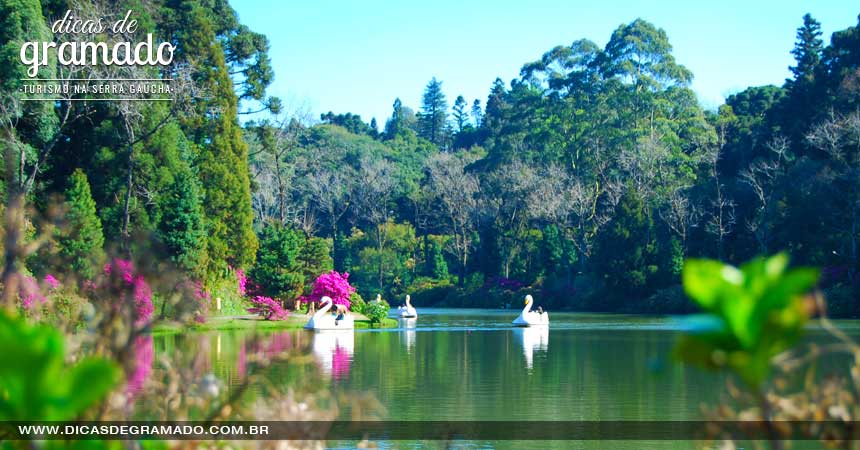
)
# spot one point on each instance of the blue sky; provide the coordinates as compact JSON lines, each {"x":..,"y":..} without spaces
{"x":359,"y":56}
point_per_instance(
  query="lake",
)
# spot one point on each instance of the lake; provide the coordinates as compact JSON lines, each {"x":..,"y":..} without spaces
{"x":471,"y":365}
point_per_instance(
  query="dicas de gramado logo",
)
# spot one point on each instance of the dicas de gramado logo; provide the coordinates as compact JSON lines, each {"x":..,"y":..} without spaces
{"x":35,"y":54}
{"x":103,"y":51}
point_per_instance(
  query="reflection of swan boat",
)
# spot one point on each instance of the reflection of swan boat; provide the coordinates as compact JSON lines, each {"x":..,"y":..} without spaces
{"x":532,"y":339}
{"x":407,"y":311}
{"x":333,"y":350}
{"x":408,"y":333}
{"x":322,"y":320}
{"x":529,"y":318}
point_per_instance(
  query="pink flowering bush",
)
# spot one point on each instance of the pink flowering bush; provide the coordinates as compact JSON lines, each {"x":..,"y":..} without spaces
{"x":268,"y":308}
{"x":333,"y":284}
{"x":29,"y":292}
{"x":121,"y":273}
{"x":242,"y":280}
{"x":52,"y":282}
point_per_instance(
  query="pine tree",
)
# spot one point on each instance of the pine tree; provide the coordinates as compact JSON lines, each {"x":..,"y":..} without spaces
{"x":477,"y":114}
{"x":81,"y":240}
{"x":181,"y":226}
{"x":807,"y":50}
{"x":461,"y":116}
{"x":395,"y":124}
{"x":434,"y":113}
{"x":223,"y":155}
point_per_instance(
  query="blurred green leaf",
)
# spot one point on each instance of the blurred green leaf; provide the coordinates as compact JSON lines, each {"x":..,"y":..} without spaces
{"x":758,"y":308}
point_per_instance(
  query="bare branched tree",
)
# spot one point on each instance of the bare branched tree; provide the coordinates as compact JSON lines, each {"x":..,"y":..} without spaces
{"x":458,"y":193}
{"x":762,"y":177}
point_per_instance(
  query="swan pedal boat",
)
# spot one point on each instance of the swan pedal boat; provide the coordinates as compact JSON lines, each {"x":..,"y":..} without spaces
{"x":529,"y":318}
{"x":407,"y":312}
{"x":322,"y":320}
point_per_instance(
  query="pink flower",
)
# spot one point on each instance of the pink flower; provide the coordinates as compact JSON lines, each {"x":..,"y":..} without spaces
{"x":29,"y":291}
{"x":136,"y":285}
{"x":268,"y":308}
{"x":242,"y":279}
{"x":52,"y":281}
{"x":334,"y":285}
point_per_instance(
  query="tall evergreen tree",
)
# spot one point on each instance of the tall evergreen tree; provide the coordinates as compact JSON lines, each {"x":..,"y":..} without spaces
{"x":807,"y":49}
{"x":223,"y":155}
{"x":461,"y":116}
{"x":477,"y":114}
{"x":434,"y":113}
{"x":181,"y":228}
{"x":80,"y":241}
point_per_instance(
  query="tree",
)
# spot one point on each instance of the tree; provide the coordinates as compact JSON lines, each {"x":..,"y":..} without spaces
{"x":81,"y":240}
{"x":461,"y":116}
{"x":434,"y":113}
{"x":626,"y":251}
{"x":477,"y":114}
{"x":401,"y":121}
{"x":181,"y":228}
{"x":807,"y":50}
{"x":762,"y":177}
{"x":223,"y":155}
{"x":457,"y":192}
{"x":278,"y":270}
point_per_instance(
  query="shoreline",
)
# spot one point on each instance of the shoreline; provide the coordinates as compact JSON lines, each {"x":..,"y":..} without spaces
{"x":226,"y":323}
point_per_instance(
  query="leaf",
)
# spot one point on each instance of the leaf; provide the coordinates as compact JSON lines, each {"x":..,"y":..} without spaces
{"x":703,"y":281}
{"x":89,"y":381}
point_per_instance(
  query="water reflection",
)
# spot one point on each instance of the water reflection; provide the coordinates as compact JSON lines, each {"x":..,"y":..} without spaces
{"x":334,"y":350}
{"x":532,"y":339}
{"x":143,"y":357}
{"x":407,"y":334}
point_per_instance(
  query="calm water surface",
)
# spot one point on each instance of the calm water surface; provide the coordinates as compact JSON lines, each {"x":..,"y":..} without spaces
{"x":460,"y":364}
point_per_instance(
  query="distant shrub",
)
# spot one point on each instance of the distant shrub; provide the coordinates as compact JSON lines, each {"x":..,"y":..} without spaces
{"x":268,"y":308}
{"x":377,"y":311}
{"x":356,"y":303}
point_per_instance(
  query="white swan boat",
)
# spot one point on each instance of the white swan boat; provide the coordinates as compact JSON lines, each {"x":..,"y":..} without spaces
{"x":322,"y":320}
{"x":529,"y":318}
{"x":407,"y":311}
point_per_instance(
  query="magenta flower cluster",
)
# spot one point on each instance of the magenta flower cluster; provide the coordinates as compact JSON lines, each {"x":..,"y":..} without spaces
{"x":52,"y":282}
{"x":29,"y":292}
{"x":242,"y":279}
{"x":333,"y":284}
{"x":268,"y":308}
{"x":141,"y":292}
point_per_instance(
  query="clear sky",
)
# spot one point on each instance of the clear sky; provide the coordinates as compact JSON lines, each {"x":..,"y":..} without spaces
{"x":358,"y":56}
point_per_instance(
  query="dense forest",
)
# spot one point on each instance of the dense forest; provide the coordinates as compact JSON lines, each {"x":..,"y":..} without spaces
{"x":586,"y":180}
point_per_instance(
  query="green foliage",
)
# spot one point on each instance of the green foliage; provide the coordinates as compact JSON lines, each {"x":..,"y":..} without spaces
{"x":81,"y":240}
{"x":376,"y":311}
{"x":356,"y":303}
{"x":626,"y":249}
{"x":434,"y":114}
{"x":181,"y":226}
{"x":222,"y":154}
{"x":754,"y":313}
{"x":37,"y":384}
{"x":435,"y":263}
{"x":278,"y":270}
{"x":287,"y":262}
